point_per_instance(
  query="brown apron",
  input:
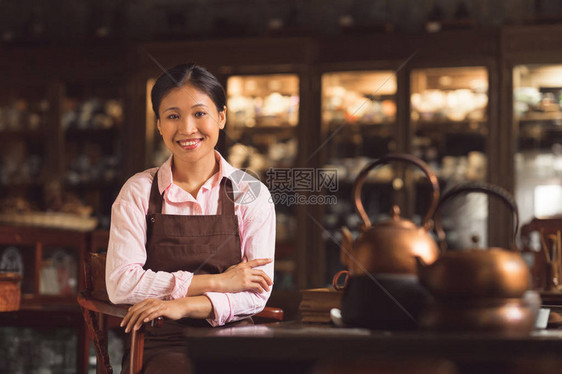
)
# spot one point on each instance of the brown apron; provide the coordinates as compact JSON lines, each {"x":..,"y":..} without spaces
{"x":201,"y":244}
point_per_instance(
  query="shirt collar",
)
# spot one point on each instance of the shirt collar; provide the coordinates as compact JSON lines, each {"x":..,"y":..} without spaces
{"x":166,"y":179}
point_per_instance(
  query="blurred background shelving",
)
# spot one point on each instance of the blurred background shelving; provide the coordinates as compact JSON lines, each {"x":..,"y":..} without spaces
{"x":261,"y":138}
{"x":537,"y":116}
{"x":358,"y":126}
{"x":24,"y":120}
{"x":488,"y":109}
{"x":449,"y":125}
{"x":92,"y":122}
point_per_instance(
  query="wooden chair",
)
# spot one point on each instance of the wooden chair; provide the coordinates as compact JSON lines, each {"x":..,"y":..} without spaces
{"x":97,"y":309}
{"x":547,"y":227}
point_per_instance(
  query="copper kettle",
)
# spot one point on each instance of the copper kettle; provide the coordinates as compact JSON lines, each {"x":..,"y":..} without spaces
{"x":392,"y":245}
{"x":475,"y":273}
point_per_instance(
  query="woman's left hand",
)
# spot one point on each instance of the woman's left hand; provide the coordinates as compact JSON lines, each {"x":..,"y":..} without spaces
{"x":150,"y":309}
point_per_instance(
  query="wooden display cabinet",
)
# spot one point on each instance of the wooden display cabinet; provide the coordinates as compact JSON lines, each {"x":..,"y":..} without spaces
{"x":50,"y":263}
{"x":359,"y":126}
{"x":449,"y":130}
{"x":261,"y":138}
{"x":41,"y":83}
{"x":493,"y":53}
{"x":25,"y":159}
{"x":63,"y":118}
{"x":312,"y":60}
{"x":414,"y":63}
{"x":530,"y":103}
{"x":92,"y":123}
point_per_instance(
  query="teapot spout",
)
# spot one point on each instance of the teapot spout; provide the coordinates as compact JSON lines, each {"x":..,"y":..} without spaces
{"x":420,"y":264}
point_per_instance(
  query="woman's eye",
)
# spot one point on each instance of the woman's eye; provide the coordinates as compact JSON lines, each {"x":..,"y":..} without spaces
{"x":173,"y":116}
{"x":199,"y":114}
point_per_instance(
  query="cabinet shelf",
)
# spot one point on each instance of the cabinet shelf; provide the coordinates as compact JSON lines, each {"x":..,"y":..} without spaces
{"x":360,"y":125}
{"x":48,"y":302}
{"x":33,"y":251}
{"x":444,"y":124}
{"x":92,"y":134}
{"x":265,"y":129}
{"x":45,"y":316}
{"x":21,"y":185}
{"x":94,"y":185}
{"x":21,"y":134}
{"x":540,"y":116}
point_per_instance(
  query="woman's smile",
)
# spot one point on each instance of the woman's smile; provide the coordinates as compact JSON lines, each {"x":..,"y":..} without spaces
{"x":189,"y":144}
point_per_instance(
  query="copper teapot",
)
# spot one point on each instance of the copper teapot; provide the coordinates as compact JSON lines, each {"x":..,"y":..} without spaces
{"x":392,"y":245}
{"x":475,"y":273}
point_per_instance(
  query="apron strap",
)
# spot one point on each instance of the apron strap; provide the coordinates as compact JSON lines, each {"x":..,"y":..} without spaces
{"x":226,"y":197}
{"x":155,"y":202}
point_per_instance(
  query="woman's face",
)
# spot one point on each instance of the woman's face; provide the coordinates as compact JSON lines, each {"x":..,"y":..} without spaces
{"x":189,"y":124}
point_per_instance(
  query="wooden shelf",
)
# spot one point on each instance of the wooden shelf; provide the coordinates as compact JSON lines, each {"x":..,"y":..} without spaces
{"x":440,"y":123}
{"x":361,"y":125}
{"x":21,"y":134}
{"x":41,"y":310}
{"x":94,"y":185}
{"x":263,"y":129}
{"x":541,"y":116}
{"x":92,"y":134}
{"x":20,"y":186}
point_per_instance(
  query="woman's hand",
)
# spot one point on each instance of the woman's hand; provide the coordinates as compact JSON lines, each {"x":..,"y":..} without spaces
{"x":243,"y":277}
{"x":150,"y":309}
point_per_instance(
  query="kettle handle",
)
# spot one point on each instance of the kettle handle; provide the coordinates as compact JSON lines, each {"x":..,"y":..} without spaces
{"x":468,"y":187}
{"x":358,"y":184}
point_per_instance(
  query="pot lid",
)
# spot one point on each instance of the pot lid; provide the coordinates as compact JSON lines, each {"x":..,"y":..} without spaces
{"x":396,"y":221}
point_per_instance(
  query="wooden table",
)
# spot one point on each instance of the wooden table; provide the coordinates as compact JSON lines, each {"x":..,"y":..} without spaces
{"x":290,"y":347}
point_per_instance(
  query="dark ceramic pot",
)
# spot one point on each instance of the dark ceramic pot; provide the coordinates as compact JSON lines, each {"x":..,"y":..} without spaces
{"x":384,"y":301}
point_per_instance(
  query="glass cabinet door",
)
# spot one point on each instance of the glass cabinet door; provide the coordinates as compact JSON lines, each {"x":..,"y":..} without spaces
{"x":263,"y":112}
{"x":358,"y":116}
{"x":24,"y":158}
{"x":358,"y":123}
{"x":449,"y":128}
{"x":537,"y":113}
{"x":92,"y":123}
{"x":261,"y":138}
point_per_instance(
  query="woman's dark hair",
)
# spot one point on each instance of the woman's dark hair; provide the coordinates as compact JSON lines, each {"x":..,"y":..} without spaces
{"x":192,"y":74}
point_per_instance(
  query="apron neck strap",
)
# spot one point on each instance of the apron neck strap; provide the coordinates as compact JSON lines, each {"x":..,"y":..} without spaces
{"x":155,"y":202}
{"x":226,"y":197}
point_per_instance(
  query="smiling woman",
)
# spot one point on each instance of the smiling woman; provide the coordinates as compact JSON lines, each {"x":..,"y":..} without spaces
{"x":189,"y":126}
{"x":181,"y":246}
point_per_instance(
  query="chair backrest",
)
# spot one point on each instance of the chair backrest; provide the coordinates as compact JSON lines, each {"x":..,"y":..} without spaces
{"x":95,"y":276}
{"x":547,"y":227}
{"x":98,"y":311}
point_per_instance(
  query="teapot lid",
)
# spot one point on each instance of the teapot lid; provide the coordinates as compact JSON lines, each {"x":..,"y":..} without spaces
{"x":396,"y":221}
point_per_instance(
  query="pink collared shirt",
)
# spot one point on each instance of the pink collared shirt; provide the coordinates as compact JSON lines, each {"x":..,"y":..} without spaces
{"x":127,"y":281}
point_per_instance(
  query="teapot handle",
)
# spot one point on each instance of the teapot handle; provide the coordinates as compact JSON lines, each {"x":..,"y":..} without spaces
{"x":468,"y":187}
{"x":358,"y":184}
